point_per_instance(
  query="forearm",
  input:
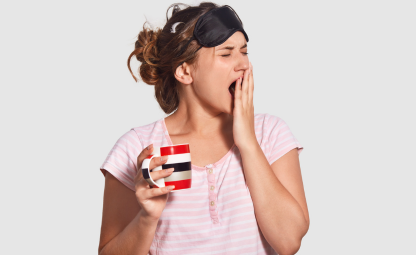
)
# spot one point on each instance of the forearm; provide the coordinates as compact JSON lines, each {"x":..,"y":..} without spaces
{"x":279,"y":215}
{"x":135,"y":239}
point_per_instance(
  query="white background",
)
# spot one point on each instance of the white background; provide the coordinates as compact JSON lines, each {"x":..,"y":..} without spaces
{"x":340,"y":73}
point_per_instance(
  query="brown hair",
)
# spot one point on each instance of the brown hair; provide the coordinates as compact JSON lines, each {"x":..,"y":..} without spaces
{"x":157,"y":51}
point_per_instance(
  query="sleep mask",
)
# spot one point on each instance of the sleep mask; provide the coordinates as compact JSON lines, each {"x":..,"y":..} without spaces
{"x":215,"y":27}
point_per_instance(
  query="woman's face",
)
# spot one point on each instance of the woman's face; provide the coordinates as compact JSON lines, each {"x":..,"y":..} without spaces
{"x":218,"y":68}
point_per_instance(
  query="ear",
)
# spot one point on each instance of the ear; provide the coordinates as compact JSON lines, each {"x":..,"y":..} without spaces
{"x":183,"y":73}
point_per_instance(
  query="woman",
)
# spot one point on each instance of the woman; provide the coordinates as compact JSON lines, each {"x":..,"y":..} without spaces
{"x":196,"y":62}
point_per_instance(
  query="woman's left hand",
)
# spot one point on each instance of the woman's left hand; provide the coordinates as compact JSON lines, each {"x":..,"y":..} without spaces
{"x":243,"y":112}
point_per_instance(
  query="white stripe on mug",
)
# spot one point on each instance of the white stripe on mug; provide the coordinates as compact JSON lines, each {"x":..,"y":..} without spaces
{"x":177,"y":176}
{"x":178,"y":158}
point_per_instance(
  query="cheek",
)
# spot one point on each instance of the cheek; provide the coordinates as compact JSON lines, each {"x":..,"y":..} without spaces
{"x":206,"y":87}
{"x":212,"y":77}
{"x":209,"y":88}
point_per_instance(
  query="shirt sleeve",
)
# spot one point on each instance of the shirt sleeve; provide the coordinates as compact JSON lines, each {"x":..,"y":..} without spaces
{"x":280,"y":140}
{"x":122,"y":159}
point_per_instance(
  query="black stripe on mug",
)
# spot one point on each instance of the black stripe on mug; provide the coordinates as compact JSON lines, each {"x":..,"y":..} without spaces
{"x":145,"y":173}
{"x":183,"y":166}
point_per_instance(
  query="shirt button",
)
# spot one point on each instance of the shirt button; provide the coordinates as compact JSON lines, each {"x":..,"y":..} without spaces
{"x":212,"y":203}
{"x":210,"y":170}
{"x":212,"y":187}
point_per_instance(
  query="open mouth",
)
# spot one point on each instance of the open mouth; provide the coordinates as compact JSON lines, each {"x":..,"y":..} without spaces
{"x":232,"y":88}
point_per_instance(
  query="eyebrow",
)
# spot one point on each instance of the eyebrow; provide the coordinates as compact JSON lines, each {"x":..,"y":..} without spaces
{"x":232,"y":47}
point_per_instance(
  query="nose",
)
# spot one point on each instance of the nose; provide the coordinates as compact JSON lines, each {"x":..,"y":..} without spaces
{"x":242,"y":63}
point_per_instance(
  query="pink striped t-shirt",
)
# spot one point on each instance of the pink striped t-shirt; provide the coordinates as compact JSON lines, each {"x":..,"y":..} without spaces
{"x":216,"y":215}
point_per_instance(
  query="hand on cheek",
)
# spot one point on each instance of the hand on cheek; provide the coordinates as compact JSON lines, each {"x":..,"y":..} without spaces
{"x":243,"y":112}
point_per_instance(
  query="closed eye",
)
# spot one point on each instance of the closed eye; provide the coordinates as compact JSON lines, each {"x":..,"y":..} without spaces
{"x":245,"y":53}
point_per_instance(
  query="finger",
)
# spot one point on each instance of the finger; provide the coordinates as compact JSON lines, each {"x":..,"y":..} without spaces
{"x":138,"y":177}
{"x":156,"y":175}
{"x":251,"y":86}
{"x":144,"y":154}
{"x":158,"y":191}
{"x":248,"y":86}
{"x":157,"y":161}
{"x":237,"y":93}
{"x":141,"y":185}
{"x":245,"y":87}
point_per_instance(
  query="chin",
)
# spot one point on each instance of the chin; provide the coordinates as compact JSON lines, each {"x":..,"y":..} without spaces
{"x":224,"y":105}
{"x":229,"y":113}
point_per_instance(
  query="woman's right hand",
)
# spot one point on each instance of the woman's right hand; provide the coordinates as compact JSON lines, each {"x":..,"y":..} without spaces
{"x":151,"y":200}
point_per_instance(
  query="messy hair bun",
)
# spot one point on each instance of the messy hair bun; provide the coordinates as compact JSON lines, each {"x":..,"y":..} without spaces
{"x":146,"y":52}
{"x":158,"y":49}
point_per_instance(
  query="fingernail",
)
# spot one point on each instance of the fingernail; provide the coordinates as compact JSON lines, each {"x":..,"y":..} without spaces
{"x":149,"y":147}
{"x":163,"y":158}
{"x":169,"y":170}
{"x":170,"y":187}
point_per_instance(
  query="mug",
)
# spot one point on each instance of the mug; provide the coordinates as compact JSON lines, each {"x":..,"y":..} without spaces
{"x":179,"y":157}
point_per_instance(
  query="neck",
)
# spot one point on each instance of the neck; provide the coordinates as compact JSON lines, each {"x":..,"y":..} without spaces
{"x":198,"y":121}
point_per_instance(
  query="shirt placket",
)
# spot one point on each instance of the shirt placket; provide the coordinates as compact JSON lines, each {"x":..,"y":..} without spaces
{"x":212,"y":193}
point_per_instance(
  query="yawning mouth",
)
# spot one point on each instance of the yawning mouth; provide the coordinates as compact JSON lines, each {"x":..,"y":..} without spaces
{"x":232,"y":87}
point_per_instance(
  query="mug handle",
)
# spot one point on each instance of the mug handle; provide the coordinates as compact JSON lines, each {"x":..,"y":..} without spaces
{"x":146,"y":171}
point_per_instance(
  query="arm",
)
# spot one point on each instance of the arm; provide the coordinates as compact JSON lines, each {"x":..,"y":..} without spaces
{"x":277,"y":189}
{"x":123,"y":229}
{"x":278,"y":198}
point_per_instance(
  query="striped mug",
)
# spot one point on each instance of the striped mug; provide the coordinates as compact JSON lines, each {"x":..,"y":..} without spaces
{"x":179,"y":157}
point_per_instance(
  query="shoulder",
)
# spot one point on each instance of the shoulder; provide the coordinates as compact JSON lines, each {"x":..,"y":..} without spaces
{"x":135,"y":135}
{"x":266,"y":117}
{"x":275,"y":136}
{"x":267,"y":122}
{"x":153,"y":128}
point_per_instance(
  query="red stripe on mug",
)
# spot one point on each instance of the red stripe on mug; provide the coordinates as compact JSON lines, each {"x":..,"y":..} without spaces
{"x":174,"y":149}
{"x":183,"y":184}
